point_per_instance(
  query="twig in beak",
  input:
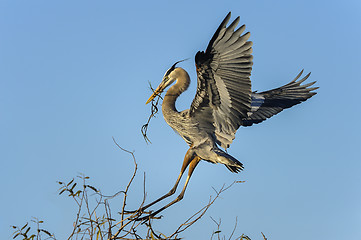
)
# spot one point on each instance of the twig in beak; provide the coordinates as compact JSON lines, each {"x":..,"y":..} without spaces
{"x":154,"y":111}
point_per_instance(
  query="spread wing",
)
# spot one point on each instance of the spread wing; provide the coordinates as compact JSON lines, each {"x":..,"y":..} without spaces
{"x":267,"y":104}
{"x":223,"y":96}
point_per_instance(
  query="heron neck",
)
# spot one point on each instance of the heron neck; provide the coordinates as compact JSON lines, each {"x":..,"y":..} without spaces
{"x":182,"y":83}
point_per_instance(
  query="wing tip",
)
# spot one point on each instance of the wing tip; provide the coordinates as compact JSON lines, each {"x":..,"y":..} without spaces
{"x":297,"y":77}
{"x":221,"y":26}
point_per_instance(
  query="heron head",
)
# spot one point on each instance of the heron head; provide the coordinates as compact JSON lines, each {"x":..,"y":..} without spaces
{"x":168,"y":79}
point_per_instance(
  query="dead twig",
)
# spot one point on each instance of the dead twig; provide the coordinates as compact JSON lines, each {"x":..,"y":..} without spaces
{"x":234,"y":229}
{"x":153,"y":111}
{"x":264,"y":237}
{"x":198,"y":215}
{"x":126,"y":189}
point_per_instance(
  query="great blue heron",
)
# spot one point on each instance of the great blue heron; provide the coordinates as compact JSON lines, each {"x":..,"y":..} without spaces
{"x":223,"y":102}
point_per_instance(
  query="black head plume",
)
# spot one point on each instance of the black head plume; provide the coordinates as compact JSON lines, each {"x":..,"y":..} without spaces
{"x":173,"y":67}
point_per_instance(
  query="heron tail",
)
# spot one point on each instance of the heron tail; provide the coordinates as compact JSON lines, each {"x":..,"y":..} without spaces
{"x":230,"y":162}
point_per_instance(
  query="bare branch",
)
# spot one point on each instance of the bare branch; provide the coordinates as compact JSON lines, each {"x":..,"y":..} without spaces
{"x":234,"y":229}
{"x":94,"y":218}
{"x":264,"y":237}
{"x":198,"y":215}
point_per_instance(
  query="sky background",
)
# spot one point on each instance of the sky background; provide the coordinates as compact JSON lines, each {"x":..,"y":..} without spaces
{"x":74,"y":74}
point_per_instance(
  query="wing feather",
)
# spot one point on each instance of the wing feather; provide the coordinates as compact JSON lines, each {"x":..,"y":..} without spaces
{"x":224,"y":86}
{"x":224,"y":100}
{"x":269,"y":103}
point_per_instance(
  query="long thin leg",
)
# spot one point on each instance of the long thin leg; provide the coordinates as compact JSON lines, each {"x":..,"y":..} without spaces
{"x":193,"y":164}
{"x":187,"y":160}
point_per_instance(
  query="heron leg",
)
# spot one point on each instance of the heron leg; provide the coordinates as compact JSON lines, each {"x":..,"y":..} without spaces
{"x":192,"y":165}
{"x":187,"y":160}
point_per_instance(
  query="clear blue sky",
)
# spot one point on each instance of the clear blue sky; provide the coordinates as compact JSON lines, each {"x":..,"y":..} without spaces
{"x":75,"y":73}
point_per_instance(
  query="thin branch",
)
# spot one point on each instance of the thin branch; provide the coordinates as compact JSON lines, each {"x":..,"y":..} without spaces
{"x":234,"y":229}
{"x":109,"y":217}
{"x":264,"y":237}
{"x":198,"y":215}
{"x":77,"y":214}
{"x":126,"y":189}
{"x":131,"y":179}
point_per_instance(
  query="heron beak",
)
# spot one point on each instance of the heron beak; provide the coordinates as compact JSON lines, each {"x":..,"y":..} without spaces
{"x":157,"y":91}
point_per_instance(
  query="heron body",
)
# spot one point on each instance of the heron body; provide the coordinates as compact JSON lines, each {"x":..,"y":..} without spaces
{"x":196,"y":133}
{"x":224,"y":100}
